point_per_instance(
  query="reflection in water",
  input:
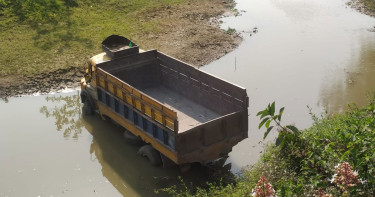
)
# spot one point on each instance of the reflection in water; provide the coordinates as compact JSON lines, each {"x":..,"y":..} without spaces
{"x":67,"y":112}
{"x":299,"y":11}
{"x":128,"y":172}
{"x":351,"y":84}
{"x":6,"y":100}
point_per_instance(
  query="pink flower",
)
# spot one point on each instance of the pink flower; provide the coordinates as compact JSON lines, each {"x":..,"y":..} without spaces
{"x":321,"y":193}
{"x":263,"y":188}
{"x":345,"y":177}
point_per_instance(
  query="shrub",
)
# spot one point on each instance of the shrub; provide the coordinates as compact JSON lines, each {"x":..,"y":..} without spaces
{"x":312,"y":154}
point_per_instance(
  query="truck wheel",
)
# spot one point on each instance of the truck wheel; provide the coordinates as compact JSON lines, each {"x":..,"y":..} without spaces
{"x":87,"y":108}
{"x":152,"y":154}
{"x":132,"y":139}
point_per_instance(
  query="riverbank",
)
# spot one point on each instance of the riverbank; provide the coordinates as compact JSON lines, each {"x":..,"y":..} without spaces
{"x":45,"y":58}
{"x":334,"y":157}
{"x":363,"y":6}
{"x":307,"y":166}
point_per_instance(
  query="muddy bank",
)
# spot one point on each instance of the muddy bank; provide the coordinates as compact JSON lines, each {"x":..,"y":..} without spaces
{"x":192,"y":34}
{"x":361,"y":7}
{"x":41,"y":83}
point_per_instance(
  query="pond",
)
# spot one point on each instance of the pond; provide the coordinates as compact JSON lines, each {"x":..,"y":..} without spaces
{"x":295,"y":52}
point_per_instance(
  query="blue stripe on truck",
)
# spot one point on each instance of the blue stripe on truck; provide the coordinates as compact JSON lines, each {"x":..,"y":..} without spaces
{"x":136,"y":118}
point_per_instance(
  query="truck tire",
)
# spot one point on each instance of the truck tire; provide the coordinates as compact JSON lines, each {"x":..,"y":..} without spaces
{"x":132,"y":139}
{"x":87,"y":108}
{"x":152,"y":154}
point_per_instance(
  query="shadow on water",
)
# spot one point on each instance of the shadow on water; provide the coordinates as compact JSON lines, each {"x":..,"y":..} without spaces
{"x":130,"y":173}
{"x":123,"y":167}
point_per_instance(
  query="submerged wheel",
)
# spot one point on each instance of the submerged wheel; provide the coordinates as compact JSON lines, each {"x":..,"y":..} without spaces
{"x":87,"y":108}
{"x":132,"y":139}
{"x":152,"y":154}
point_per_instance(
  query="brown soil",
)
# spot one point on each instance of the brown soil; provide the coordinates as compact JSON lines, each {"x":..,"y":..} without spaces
{"x":190,"y":32}
{"x":42,"y":83}
{"x":360,"y":7}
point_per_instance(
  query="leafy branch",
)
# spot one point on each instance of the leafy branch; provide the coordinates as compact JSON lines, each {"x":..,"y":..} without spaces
{"x":268,"y":115}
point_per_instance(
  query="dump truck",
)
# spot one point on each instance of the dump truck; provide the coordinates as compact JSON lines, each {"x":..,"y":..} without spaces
{"x":182,"y":114}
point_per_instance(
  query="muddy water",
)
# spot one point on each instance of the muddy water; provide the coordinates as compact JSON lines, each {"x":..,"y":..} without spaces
{"x":47,"y":148}
{"x":317,"y":53}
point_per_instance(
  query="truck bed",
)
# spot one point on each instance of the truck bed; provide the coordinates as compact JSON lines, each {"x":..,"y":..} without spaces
{"x":184,"y":113}
{"x":190,"y":114}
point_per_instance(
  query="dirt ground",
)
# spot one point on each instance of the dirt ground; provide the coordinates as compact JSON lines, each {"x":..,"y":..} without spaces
{"x":190,"y":32}
{"x":360,"y":7}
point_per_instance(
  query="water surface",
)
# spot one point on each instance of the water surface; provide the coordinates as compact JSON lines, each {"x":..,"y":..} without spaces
{"x":317,"y":53}
{"x":48,"y":148}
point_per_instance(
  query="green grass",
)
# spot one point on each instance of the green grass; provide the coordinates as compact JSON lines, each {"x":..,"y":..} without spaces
{"x":28,"y":47}
{"x":231,"y":30}
{"x":370,"y":5}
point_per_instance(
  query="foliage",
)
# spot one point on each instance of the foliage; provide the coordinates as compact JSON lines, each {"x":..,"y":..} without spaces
{"x":285,"y":132}
{"x":313,"y":153}
{"x":334,"y":157}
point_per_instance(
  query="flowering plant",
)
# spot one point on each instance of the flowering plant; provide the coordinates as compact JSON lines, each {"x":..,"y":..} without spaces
{"x":263,"y":188}
{"x":321,"y":193}
{"x":345,"y":177}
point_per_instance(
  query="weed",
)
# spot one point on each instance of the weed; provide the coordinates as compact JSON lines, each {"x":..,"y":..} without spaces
{"x":231,"y":30}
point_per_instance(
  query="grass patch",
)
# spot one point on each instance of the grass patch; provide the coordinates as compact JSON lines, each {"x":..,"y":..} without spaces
{"x":30,"y":46}
{"x":370,"y":5}
{"x":231,"y":30}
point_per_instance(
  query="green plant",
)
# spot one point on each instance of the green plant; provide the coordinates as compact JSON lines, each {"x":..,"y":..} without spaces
{"x":334,"y":157}
{"x":268,"y":115}
{"x":312,"y":154}
{"x":231,"y":30}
